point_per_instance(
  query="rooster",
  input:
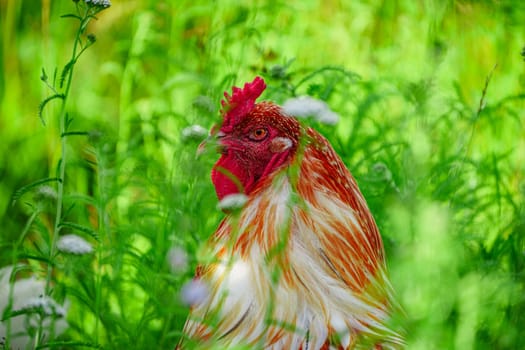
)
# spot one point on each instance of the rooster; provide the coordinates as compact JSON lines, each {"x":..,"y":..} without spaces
{"x":301,"y":264}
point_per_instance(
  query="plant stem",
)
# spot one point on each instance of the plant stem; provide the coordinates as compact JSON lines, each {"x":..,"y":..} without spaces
{"x":63,"y":119}
{"x":103,"y":230}
{"x":17,"y":246}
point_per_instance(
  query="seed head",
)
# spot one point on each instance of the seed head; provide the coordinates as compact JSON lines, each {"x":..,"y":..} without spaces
{"x":91,"y":38}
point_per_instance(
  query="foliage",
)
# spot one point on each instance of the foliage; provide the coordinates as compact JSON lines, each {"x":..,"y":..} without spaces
{"x":430,"y":98}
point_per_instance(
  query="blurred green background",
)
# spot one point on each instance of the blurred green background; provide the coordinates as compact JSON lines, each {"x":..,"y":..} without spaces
{"x":441,"y":166}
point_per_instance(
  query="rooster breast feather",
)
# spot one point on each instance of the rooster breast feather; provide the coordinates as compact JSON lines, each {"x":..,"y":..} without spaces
{"x":301,"y":266}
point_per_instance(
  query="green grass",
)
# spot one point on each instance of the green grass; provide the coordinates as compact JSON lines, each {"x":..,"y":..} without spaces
{"x":433,"y":133}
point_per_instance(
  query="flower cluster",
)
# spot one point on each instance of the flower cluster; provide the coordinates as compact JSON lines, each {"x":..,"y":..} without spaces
{"x":26,"y":299}
{"x":177,"y":259}
{"x":74,"y":244}
{"x":102,"y":3}
{"x":194,"y":132}
{"x":44,"y":304}
{"x":46,"y":193}
{"x":194,"y":292}
{"x":306,"y":106}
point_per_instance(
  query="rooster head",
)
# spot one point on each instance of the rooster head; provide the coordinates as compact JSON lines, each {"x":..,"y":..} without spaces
{"x":254,"y":139}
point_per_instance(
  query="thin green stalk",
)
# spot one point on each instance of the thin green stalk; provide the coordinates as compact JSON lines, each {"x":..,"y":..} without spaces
{"x":103,"y":230}
{"x":481,"y":106}
{"x":63,"y":148}
{"x":17,"y":246}
{"x":60,"y":185}
{"x":63,"y":118}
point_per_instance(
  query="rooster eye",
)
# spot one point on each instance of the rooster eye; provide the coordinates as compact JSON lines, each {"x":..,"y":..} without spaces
{"x":258,"y":134}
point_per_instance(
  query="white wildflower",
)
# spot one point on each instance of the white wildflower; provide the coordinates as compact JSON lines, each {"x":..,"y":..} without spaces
{"x":306,"y":106}
{"x":26,"y":295}
{"x":103,"y":3}
{"x":45,"y":304}
{"x":194,"y":132}
{"x":328,"y":117}
{"x":232,"y":202}
{"x":47,"y":192}
{"x":177,"y":259}
{"x":194,"y":292}
{"x":74,"y":244}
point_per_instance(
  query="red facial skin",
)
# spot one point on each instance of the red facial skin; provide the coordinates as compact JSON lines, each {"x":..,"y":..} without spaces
{"x":253,"y":148}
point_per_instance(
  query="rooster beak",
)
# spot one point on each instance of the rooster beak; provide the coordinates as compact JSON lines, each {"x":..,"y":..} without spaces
{"x":214,"y":139}
{"x":202,"y":147}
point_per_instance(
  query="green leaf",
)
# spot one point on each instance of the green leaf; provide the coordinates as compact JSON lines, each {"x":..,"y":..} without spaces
{"x":10,"y":314}
{"x":71,"y":15}
{"x":68,"y":121}
{"x":55,"y":72}
{"x":67,"y":68}
{"x":37,"y":258}
{"x":74,"y":197}
{"x":23,"y":190}
{"x":75,"y":133}
{"x":57,"y":170}
{"x":45,"y":102}
{"x":67,"y":345}
{"x":43,"y":77}
{"x":77,"y":227}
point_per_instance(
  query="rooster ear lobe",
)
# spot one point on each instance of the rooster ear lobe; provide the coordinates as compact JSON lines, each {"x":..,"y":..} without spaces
{"x":280,"y":144}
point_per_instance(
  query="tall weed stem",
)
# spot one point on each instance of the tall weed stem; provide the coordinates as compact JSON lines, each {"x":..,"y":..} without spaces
{"x":85,"y":12}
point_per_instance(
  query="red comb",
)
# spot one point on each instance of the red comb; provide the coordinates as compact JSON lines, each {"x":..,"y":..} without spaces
{"x":241,"y":101}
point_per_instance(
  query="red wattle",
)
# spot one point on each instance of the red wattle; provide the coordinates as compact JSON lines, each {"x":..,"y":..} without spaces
{"x":228,"y":177}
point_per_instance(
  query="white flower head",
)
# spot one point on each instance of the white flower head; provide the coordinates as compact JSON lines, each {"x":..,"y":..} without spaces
{"x":102,"y":3}
{"x":194,"y":132}
{"x":47,"y":192}
{"x":328,"y":117}
{"x":306,"y":106}
{"x":232,"y":202}
{"x":74,"y":244}
{"x":177,"y":259}
{"x":194,"y":292}
{"x":45,"y":304}
{"x":27,"y":294}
